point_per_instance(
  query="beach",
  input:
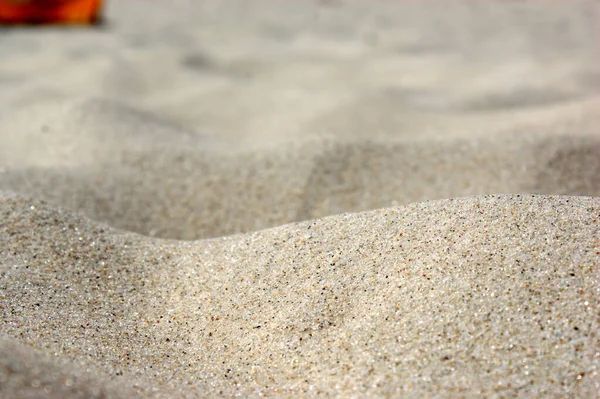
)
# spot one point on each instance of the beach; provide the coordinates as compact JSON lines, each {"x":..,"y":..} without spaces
{"x":302,"y":199}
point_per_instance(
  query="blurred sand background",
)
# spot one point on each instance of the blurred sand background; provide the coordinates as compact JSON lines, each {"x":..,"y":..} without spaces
{"x":139,"y":159}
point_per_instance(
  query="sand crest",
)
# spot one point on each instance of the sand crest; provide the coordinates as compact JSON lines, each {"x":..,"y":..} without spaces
{"x":481,"y":295}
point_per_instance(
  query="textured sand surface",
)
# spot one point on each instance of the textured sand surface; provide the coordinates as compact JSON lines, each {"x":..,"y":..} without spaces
{"x":259,"y":198}
{"x":483,"y":295}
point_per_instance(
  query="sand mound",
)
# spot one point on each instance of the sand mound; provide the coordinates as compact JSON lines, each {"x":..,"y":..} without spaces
{"x":132,"y":171}
{"x":389,"y":199}
{"x":475,"y":296}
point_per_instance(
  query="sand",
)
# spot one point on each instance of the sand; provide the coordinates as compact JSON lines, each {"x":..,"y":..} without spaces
{"x":300,"y":199}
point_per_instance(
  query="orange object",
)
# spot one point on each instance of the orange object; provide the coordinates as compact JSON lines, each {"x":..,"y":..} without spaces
{"x":50,"y":11}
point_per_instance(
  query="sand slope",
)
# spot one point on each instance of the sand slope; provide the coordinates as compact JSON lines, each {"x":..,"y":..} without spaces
{"x":490,"y":295}
{"x":139,"y":173}
{"x":301,"y":199}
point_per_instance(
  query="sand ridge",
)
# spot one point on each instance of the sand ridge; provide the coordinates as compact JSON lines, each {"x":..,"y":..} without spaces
{"x":409,"y":299}
{"x":146,"y":175}
{"x":302,"y":199}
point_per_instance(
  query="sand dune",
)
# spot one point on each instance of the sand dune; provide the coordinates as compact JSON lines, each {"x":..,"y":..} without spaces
{"x":300,"y":199}
{"x":144,"y":175}
{"x":490,"y":295}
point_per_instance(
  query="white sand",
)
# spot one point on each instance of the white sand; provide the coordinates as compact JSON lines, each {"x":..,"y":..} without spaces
{"x":202,"y":119}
